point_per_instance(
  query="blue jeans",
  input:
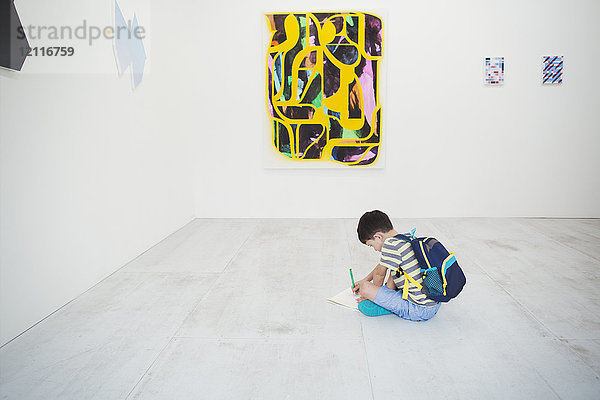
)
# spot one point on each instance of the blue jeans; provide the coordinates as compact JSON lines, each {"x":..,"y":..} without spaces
{"x":392,"y":300}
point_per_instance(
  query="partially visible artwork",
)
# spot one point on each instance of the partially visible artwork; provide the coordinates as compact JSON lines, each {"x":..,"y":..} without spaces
{"x":552,"y":70}
{"x":14,"y":46}
{"x":129,"y":46}
{"x":494,"y":70}
{"x":322,"y":86}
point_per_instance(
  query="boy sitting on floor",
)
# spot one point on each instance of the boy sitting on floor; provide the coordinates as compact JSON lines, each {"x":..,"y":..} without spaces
{"x":375,"y":230}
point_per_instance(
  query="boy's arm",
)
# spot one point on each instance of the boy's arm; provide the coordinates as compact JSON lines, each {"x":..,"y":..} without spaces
{"x":377,"y":275}
{"x":390,"y":282}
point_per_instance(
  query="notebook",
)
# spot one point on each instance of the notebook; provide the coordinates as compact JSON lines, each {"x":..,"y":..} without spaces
{"x":345,"y":298}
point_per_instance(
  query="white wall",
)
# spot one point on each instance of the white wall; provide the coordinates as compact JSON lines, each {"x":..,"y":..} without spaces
{"x":92,"y":174}
{"x":517,"y":150}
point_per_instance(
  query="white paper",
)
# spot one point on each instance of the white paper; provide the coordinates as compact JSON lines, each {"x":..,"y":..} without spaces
{"x":345,"y":298}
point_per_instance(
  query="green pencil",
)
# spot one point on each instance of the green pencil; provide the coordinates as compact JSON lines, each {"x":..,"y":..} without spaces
{"x":352,"y":277}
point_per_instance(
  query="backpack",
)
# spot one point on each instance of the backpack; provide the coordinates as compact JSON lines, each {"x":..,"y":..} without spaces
{"x":443,"y":279}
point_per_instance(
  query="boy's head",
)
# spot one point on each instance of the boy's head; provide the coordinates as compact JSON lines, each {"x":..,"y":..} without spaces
{"x":372,"y":227}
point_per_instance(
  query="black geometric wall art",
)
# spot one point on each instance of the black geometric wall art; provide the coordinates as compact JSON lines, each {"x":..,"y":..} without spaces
{"x":14,"y":46}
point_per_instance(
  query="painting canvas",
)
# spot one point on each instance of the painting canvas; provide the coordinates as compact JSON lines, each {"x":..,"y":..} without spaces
{"x":494,"y":70}
{"x":322,"y":86}
{"x":552,"y":70}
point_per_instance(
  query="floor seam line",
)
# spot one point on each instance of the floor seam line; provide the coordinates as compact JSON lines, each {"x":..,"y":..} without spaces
{"x":149,"y":368}
{"x":238,"y":250}
{"x":173,"y":337}
{"x":367,"y":360}
{"x":362,"y":333}
{"x":553,"y":335}
{"x":532,"y":315}
{"x":563,"y":244}
{"x":596,"y":260}
{"x":200,"y":300}
{"x":521,"y":305}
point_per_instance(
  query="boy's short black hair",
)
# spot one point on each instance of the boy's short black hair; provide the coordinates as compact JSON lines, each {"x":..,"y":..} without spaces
{"x":372,"y":222}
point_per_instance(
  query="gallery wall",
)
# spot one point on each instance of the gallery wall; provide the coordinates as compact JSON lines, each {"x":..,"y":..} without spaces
{"x":93,"y":173}
{"x":517,"y":150}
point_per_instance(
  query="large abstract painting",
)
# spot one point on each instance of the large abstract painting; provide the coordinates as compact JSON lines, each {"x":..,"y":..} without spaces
{"x":322,"y":86}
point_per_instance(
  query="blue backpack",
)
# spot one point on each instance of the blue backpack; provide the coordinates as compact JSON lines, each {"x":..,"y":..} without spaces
{"x":443,"y":279}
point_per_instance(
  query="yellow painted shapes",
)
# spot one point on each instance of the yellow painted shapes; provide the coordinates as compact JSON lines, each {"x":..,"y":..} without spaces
{"x":349,"y":93}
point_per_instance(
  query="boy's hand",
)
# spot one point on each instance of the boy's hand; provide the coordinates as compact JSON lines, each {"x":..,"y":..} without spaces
{"x":357,"y":286}
{"x":366,"y":290}
{"x":356,"y":290}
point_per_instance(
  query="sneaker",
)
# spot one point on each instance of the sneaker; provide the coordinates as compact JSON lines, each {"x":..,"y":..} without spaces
{"x":371,"y":309}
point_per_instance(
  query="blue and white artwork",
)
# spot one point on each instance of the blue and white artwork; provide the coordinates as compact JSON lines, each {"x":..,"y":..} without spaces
{"x":552,"y":70}
{"x":494,"y":70}
{"x":129,"y":46}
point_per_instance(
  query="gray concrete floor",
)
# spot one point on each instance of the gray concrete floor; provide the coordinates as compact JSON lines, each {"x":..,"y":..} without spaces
{"x":236,"y":309}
